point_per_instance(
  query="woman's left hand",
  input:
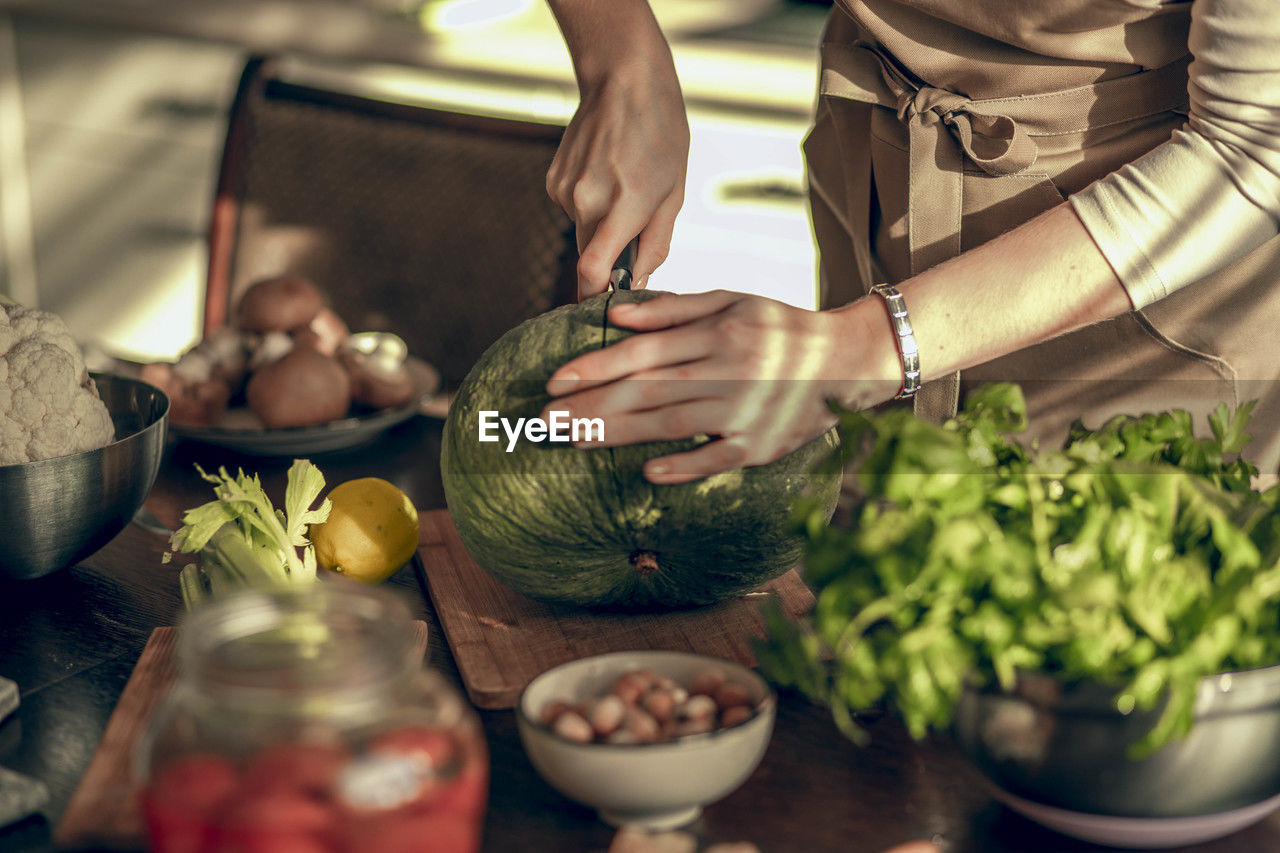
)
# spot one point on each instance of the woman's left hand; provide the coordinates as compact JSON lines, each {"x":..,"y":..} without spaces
{"x":753,"y":373}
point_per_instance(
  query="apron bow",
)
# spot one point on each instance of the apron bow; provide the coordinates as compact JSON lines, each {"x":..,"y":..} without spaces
{"x":944,"y":128}
{"x":995,"y":143}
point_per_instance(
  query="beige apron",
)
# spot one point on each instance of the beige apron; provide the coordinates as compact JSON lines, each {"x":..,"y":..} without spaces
{"x":904,"y":175}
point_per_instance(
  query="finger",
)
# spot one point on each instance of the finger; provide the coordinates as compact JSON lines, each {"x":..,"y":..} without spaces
{"x":714,"y":457}
{"x":558,"y":182}
{"x":611,"y":236}
{"x":565,"y":174}
{"x":675,"y":422}
{"x":590,"y":198}
{"x":586,"y":202}
{"x":629,"y":357}
{"x":555,"y":180}
{"x":655,"y":239}
{"x":915,"y":847}
{"x":583,"y":230}
{"x":671,"y":309}
{"x":649,"y":394}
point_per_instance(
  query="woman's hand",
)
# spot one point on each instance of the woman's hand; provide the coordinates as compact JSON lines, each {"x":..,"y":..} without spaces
{"x":753,"y":373}
{"x":620,"y":169}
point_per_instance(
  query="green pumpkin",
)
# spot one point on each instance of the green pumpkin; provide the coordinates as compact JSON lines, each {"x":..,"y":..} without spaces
{"x":583,"y":526}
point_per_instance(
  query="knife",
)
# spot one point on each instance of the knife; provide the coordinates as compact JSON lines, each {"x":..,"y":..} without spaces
{"x":620,"y":278}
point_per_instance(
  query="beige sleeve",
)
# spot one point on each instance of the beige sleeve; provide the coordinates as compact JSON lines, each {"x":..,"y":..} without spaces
{"x":1212,"y":192}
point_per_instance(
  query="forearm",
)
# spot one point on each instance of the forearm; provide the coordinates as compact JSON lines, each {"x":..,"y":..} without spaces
{"x":607,"y":36}
{"x":1039,"y":280}
{"x":619,"y":171}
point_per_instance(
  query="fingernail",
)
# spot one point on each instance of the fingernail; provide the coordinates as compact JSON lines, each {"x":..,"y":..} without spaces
{"x":562,"y":382}
{"x":622,"y":313}
{"x":659,"y":469}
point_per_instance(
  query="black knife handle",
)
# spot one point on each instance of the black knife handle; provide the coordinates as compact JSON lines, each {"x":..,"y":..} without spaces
{"x":620,"y":278}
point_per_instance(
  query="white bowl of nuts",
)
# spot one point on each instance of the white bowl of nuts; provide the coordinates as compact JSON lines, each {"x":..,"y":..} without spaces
{"x":646,"y":738}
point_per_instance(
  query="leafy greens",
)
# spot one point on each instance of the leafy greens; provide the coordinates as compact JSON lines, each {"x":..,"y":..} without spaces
{"x":243,"y":540}
{"x":1137,"y":556}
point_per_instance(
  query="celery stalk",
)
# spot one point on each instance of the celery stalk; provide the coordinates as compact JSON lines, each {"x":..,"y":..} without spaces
{"x":242,"y":540}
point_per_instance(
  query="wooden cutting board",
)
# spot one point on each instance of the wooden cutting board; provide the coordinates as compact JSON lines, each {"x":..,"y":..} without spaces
{"x":103,"y":811}
{"x":502,"y":640}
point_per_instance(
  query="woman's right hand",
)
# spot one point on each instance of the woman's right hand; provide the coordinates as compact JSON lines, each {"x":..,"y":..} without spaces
{"x":620,"y":169}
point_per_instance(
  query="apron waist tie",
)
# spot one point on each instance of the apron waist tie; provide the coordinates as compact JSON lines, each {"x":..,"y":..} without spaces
{"x":996,"y":134}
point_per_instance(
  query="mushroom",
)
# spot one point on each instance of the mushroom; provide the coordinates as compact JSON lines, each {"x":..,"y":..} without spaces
{"x":377,"y":363}
{"x":192,"y":403}
{"x":279,"y":304}
{"x":223,"y":353}
{"x":304,"y":388}
{"x":203,"y":379}
{"x":271,"y":346}
{"x":326,"y":332}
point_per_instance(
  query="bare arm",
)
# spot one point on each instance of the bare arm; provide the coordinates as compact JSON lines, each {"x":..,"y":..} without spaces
{"x":1039,"y":280}
{"x":603,"y":36}
{"x":1042,"y":279}
{"x":758,"y":373}
{"x":620,"y":169}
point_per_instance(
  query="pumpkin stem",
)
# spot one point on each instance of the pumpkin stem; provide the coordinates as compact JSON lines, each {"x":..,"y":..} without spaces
{"x":646,"y":562}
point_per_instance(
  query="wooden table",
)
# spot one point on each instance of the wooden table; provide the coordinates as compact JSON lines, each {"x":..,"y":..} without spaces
{"x":70,"y":640}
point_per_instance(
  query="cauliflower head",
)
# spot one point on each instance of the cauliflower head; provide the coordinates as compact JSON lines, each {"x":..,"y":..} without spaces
{"x":48,"y":404}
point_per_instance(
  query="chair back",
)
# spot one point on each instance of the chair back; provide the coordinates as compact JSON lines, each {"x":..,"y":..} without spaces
{"x":431,"y":224}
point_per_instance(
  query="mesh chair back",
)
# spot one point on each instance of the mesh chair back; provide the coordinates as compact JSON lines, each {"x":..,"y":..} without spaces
{"x":430,"y":224}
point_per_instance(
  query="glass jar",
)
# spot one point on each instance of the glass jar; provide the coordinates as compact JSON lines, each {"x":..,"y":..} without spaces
{"x":304,"y":720}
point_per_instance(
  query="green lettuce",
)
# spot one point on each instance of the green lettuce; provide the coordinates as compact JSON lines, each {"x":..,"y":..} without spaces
{"x":1136,"y":555}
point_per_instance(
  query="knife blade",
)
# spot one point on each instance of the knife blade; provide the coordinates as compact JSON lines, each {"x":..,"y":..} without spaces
{"x":620,"y":278}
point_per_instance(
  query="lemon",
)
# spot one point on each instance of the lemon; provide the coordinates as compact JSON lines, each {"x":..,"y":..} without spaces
{"x":372,"y":530}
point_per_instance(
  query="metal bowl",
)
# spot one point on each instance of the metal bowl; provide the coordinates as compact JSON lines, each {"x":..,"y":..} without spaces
{"x":1067,"y":747}
{"x":56,"y":512}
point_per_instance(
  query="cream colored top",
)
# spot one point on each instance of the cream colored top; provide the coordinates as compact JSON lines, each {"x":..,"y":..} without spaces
{"x":1190,"y":206}
{"x":1211,"y":193}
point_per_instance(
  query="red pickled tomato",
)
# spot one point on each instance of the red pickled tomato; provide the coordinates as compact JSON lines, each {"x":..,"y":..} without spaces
{"x":309,"y":767}
{"x":435,"y":747}
{"x":275,"y":820}
{"x":465,"y":794}
{"x":416,"y":833}
{"x":181,"y":800}
{"x":196,"y":782}
{"x":455,"y":781}
{"x":273,"y":842}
